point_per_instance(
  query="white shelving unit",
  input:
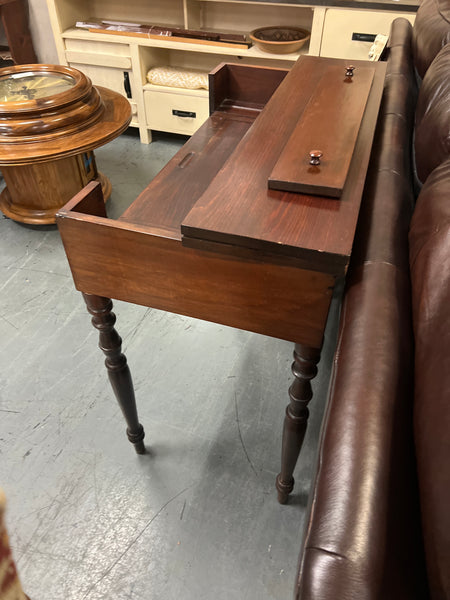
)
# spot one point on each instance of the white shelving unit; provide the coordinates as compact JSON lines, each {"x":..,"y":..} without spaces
{"x":121,"y":62}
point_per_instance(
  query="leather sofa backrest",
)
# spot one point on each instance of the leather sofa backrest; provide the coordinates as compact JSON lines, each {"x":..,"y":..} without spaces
{"x":388,"y":196}
{"x":429,"y":240}
{"x":431,"y":32}
{"x":432,"y":131}
{"x":362,"y":539}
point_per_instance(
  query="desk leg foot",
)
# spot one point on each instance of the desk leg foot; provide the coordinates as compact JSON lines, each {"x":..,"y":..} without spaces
{"x":116,"y":363}
{"x":304,"y":368}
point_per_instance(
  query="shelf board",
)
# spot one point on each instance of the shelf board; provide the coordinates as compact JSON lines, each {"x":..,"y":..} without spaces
{"x":201,"y":93}
{"x":252,"y":52}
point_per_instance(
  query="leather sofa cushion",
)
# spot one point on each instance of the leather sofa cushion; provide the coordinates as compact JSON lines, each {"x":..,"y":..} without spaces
{"x":429,"y":239}
{"x":362,"y":540}
{"x":431,"y":32}
{"x":432,"y":132}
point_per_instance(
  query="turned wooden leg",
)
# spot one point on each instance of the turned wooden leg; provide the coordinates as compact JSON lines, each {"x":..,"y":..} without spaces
{"x":116,"y":363}
{"x":304,"y":368}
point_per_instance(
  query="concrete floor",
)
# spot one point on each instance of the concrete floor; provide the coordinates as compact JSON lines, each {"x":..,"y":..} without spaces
{"x":197,"y":517}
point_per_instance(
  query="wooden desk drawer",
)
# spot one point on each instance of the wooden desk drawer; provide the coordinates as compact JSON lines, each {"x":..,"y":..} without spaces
{"x":176,"y":111}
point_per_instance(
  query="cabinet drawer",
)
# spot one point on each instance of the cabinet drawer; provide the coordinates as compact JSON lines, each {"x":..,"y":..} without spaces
{"x":175,"y":112}
{"x":95,"y":47}
{"x":102,"y":60}
{"x":347,"y":33}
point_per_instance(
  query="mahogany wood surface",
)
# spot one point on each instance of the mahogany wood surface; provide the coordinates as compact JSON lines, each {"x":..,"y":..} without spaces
{"x":304,"y":368}
{"x":242,"y":86}
{"x":171,"y":194}
{"x":263,"y":260}
{"x":331,"y":123}
{"x":186,"y":177}
{"x":14,"y":15}
{"x":147,"y":266}
{"x":239,"y":209}
{"x":103,"y":319}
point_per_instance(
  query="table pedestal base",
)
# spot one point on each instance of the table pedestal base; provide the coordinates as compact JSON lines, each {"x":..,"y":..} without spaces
{"x":36,"y":192}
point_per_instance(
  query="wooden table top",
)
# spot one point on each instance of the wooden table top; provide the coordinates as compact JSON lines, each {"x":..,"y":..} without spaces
{"x":216,"y":188}
{"x":262,"y":254}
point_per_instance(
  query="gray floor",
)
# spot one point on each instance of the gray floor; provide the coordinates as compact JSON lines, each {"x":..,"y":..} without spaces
{"x":197,"y":517}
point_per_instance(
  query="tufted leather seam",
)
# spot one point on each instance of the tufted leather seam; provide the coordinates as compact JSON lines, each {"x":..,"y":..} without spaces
{"x":329,"y":552}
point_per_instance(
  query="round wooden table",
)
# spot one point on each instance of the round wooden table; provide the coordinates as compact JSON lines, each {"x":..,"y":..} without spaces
{"x":51,"y":119}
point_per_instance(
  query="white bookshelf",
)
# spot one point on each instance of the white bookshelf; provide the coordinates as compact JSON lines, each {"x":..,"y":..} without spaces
{"x":110,"y":59}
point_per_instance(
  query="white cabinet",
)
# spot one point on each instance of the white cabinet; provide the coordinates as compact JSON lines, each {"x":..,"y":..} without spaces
{"x":348,"y":33}
{"x":121,"y":62}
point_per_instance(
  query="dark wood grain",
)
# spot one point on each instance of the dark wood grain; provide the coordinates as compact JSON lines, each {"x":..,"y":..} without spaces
{"x":331,"y":123}
{"x":304,"y":368}
{"x":172,"y":193}
{"x":186,"y":177}
{"x":265,"y":261}
{"x":14,"y":15}
{"x":144,"y":265}
{"x":88,"y":201}
{"x":239,"y":209}
{"x":103,"y":319}
{"x":242,"y":86}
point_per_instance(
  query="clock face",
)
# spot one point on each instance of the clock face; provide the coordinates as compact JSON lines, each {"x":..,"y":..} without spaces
{"x":22,"y":87}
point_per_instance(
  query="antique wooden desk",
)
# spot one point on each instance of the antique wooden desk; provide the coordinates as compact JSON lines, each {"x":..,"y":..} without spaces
{"x":208,"y":238}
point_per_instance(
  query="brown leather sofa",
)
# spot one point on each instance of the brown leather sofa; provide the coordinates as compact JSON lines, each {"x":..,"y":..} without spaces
{"x":379,"y":517}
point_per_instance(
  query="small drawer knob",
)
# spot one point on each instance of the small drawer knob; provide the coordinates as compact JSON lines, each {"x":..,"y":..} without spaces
{"x":349,"y":71}
{"x":314,"y":157}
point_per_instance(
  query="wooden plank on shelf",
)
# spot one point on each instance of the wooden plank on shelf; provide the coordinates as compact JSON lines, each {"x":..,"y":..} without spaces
{"x":173,"y":38}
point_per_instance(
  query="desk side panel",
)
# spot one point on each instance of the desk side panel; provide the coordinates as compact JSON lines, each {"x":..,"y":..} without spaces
{"x":109,"y":258}
{"x":243,"y":85}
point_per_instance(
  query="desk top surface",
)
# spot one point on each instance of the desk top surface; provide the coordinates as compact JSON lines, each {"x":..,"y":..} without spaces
{"x":216,"y":187}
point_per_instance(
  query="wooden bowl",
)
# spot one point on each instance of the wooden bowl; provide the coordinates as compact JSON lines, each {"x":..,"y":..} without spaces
{"x":279,"y":39}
